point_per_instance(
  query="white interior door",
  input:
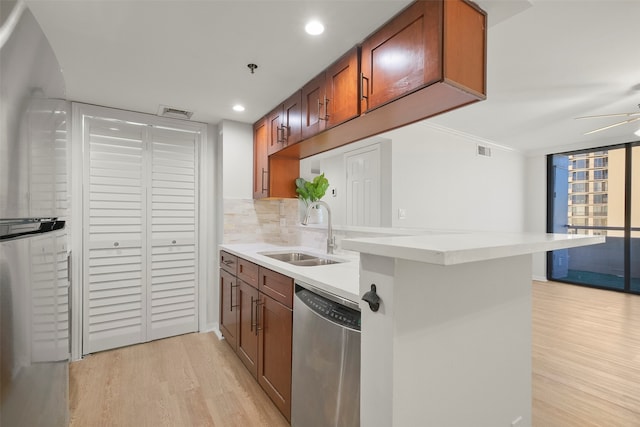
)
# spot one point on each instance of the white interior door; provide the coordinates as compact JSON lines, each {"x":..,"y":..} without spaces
{"x":173,"y":233}
{"x":363,"y":187}
{"x":141,"y":204}
{"x":114,"y":257}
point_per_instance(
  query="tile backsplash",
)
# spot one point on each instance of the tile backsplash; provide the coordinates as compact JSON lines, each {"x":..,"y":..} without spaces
{"x":277,"y":222}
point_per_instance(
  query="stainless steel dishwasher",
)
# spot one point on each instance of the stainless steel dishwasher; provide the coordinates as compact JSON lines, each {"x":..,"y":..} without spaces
{"x":325,"y":361}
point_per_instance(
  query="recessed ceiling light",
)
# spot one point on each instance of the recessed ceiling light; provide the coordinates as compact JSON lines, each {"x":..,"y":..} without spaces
{"x":637,"y":133}
{"x":314,"y":28}
{"x":239,"y":108}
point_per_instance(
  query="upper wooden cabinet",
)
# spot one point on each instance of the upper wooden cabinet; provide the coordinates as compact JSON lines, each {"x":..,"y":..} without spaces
{"x":275,"y":175}
{"x":430,"y":41}
{"x":427,"y":60}
{"x":284,"y":124}
{"x":332,"y":97}
{"x":260,"y":159}
{"x":313,"y":114}
{"x":342,"y":92}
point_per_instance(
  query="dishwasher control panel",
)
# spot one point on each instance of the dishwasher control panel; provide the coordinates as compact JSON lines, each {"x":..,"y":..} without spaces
{"x":331,"y":310}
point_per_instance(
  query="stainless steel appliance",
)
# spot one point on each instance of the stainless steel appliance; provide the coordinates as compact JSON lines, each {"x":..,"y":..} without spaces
{"x":325,"y":360}
{"x":34,"y":285}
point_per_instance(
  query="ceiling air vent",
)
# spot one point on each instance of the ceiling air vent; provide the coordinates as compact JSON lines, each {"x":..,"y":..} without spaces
{"x":484,"y":151}
{"x":175,"y":113}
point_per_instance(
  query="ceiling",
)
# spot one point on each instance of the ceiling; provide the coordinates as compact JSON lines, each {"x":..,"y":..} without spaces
{"x":549,"y":61}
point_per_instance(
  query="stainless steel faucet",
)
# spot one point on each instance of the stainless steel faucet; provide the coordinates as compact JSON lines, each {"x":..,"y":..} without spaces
{"x":331,"y":240}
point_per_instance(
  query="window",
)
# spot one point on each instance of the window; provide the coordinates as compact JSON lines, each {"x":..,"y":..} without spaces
{"x":600,"y":186}
{"x":601,"y":174}
{"x":602,"y":162}
{"x":585,"y":199}
{"x":580,"y":188}
{"x":579,"y":199}
{"x":580,"y":164}
{"x":581,"y":176}
{"x":600,"y":198}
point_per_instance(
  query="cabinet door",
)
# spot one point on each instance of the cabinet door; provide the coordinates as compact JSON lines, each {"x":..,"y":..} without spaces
{"x":260,"y":160}
{"x":275,"y":136}
{"x":342,"y":100}
{"x":229,"y":312}
{"x":274,"y":358}
{"x":247,"y":328}
{"x":292,"y":119}
{"x":313,"y":106}
{"x":403,"y":55}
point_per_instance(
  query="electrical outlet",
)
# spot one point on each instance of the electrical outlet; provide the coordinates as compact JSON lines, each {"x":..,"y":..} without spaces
{"x":402,"y":213}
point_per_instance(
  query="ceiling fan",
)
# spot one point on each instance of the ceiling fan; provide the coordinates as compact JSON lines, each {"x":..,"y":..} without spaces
{"x":630,"y":120}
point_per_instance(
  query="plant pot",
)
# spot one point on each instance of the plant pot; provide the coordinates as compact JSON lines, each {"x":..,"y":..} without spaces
{"x":315,"y":216}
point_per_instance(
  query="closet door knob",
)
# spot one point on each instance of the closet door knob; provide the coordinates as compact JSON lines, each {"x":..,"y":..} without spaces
{"x":173,"y":241}
{"x":116,"y":244}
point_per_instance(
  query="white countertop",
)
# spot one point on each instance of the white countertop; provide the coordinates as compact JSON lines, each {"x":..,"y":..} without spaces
{"x":339,"y":279}
{"x":464,"y":247}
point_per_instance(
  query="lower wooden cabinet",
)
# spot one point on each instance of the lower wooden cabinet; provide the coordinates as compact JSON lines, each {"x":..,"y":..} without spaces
{"x":247,"y":331}
{"x":259,"y":327}
{"x":274,"y":352}
{"x":229,"y":312}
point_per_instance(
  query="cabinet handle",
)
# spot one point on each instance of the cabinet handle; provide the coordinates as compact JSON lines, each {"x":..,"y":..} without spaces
{"x":362,"y":91}
{"x":231,"y":298}
{"x":251,"y":322}
{"x":326,"y":116}
{"x":258,"y":303}
{"x":285,"y":133}
{"x":263,"y":173}
{"x":326,"y":108}
{"x":280,"y":131}
{"x":228,"y":262}
{"x":319,"y":105}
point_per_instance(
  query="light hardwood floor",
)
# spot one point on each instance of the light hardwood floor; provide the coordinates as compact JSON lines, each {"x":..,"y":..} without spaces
{"x":586,"y":357}
{"x":586,"y":372}
{"x":189,"y":380}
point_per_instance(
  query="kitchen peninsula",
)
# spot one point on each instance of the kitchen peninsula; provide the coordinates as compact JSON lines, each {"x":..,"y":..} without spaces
{"x":451,"y":342}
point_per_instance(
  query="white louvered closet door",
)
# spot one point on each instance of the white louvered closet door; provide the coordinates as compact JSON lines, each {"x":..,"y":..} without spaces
{"x":140,"y":264}
{"x":114,"y":237}
{"x":172,"y":304}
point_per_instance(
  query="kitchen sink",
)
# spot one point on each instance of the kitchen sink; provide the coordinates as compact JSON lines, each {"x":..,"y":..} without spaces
{"x":301,"y":259}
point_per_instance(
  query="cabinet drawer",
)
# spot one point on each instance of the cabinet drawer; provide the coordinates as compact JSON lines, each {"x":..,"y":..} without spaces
{"x":248,"y":272}
{"x":277,"y":286}
{"x":228,"y":262}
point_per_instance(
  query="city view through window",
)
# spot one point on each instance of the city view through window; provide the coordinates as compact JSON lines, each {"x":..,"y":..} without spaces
{"x":593,"y":192}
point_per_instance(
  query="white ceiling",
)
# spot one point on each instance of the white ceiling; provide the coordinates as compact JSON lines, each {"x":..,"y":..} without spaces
{"x":548,"y":60}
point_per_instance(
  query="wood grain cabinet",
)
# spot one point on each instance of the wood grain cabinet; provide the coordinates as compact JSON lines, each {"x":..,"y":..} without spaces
{"x":332,"y":97}
{"x":229,"y":313}
{"x":428,"y":42}
{"x":260,"y":159}
{"x":273,"y":175}
{"x":256,"y":320}
{"x":274,"y":338}
{"x":285,"y":123}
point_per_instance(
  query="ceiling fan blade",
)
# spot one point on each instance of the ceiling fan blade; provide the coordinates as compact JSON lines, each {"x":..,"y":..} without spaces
{"x":609,"y":115}
{"x":613,"y":125}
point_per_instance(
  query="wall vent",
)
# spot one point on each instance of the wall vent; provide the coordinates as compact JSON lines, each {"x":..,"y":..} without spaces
{"x":175,"y":113}
{"x":484,"y":151}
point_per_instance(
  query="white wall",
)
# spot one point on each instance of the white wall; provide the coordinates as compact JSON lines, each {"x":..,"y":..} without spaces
{"x":535,"y":217}
{"x":237,"y":160}
{"x":442,"y":184}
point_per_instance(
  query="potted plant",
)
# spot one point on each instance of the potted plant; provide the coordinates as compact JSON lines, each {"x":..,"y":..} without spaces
{"x":311,"y":191}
